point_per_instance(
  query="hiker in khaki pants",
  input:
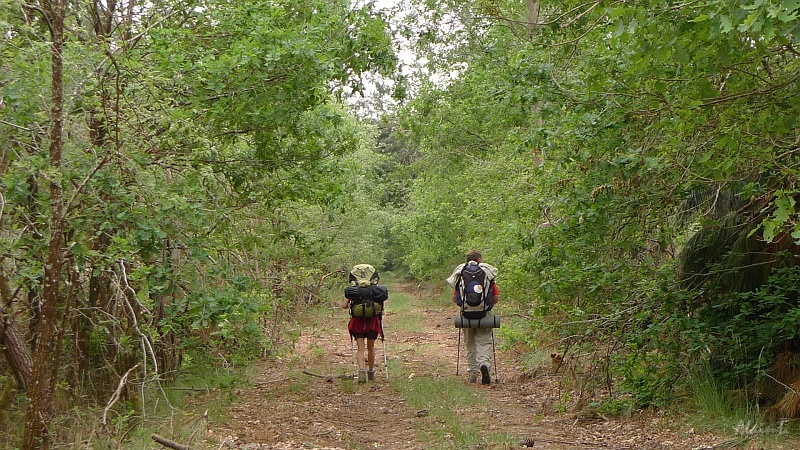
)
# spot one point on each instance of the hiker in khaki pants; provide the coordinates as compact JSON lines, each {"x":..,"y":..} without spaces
{"x":478,"y":340}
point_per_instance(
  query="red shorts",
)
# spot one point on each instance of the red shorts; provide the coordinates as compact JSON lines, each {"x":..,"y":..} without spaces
{"x":369,"y":327}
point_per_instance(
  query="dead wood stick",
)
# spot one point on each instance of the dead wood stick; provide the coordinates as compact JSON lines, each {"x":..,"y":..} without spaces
{"x":328,"y":377}
{"x":167,"y":443}
{"x":573,"y":443}
{"x":277,"y":380}
{"x":117,"y":393}
{"x":192,"y":389}
{"x":315,"y":375}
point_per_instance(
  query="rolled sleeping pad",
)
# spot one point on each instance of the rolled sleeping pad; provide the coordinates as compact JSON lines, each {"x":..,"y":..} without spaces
{"x":487,"y":321}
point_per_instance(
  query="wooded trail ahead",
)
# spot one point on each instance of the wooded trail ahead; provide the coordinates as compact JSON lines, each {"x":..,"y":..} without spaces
{"x":309,"y":400}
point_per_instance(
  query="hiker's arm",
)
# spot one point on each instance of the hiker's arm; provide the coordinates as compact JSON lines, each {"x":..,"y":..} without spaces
{"x":346,"y":303}
{"x":495,"y":294}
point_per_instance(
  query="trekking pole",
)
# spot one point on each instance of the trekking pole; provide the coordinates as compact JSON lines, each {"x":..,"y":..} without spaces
{"x":383,"y":347}
{"x":458,"y":352}
{"x":385,"y":365}
{"x":494,"y":350}
{"x":353,"y":354}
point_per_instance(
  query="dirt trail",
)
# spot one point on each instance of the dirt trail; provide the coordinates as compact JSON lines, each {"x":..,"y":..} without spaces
{"x":287,"y":409}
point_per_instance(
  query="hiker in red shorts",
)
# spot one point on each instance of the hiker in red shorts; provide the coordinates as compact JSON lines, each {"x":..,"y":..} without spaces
{"x":365,"y":300}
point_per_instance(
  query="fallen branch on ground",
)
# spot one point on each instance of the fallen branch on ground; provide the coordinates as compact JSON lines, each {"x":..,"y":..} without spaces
{"x":277,"y":380}
{"x":328,"y":378}
{"x":167,"y":443}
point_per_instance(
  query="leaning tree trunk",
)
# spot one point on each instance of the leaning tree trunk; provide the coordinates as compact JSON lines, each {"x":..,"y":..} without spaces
{"x":41,"y":409}
{"x":12,"y":341}
{"x":15,"y":349}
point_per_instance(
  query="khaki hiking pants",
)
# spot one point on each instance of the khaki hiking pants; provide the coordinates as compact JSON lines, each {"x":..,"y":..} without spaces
{"x":479,"y":348}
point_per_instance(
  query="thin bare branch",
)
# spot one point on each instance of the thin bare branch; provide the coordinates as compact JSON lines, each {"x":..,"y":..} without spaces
{"x":116,"y":395}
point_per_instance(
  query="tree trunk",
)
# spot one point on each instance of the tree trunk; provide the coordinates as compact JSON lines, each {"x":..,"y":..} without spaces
{"x":41,"y":409}
{"x":533,"y":16}
{"x":15,"y":350}
{"x":167,"y":352}
{"x":13,"y":343}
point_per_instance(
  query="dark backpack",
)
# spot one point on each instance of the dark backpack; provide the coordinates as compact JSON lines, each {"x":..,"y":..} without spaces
{"x":366,"y":297}
{"x":366,"y":301}
{"x":475,"y":290}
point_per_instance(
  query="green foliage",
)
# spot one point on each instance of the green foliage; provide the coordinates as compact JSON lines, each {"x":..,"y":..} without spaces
{"x":623,"y":406}
{"x":260,"y":74}
{"x":783,"y":213}
{"x":747,"y":330}
{"x":210,"y":172}
{"x":727,"y":411}
{"x":583,"y":153}
{"x":214,"y":179}
{"x":223,"y":320}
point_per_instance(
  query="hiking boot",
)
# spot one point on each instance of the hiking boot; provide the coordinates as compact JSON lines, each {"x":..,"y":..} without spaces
{"x":371,"y":375}
{"x":473,"y":377}
{"x":362,"y":376}
{"x":485,"y":378}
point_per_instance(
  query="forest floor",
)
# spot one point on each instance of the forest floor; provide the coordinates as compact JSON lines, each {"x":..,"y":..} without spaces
{"x":307,"y":400}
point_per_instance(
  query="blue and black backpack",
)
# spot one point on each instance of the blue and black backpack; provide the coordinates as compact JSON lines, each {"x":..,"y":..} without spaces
{"x":474,"y":289}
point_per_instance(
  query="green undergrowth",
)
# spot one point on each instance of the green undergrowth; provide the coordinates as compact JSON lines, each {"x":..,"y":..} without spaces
{"x":201,"y":394}
{"x":444,"y":401}
{"x":401,"y":313}
{"x":450,"y":413}
{"x":716,"y":409}
{"x":449,"y":410}
{"x":180,"y":410}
